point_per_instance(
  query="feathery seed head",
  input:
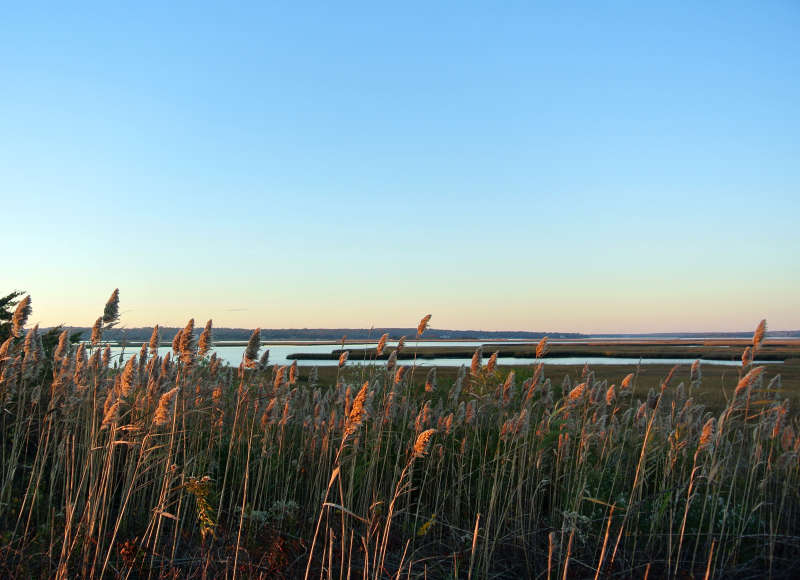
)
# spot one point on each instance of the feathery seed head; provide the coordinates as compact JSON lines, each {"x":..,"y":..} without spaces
{"x":626,"y":382}
{"x":707,"y":435}
{"x":187,"y":344}
{"x":747,"y":357}
{"x":477,"y":362}
{"x":747,"y":381}
{"x":166,"y":405}
{"x":760,"y":333}
{"x":492,"y":362}
{"x":576,"y":393}
{"x":430,"y":380}
{"x":253,"y":346}
{"x":392,"y":361}
{"x":128,"y":377}
{"x":97,"y":331}
{"x":176,"y":342}
{"x":423,"y":442}
{"x":111,"y":310}
{"x":358,"y":412}
{"x":204,"y":343}
{"x":423,"y":324}
{"x":20,"y":316}
{"x":695,"y":374}
{"x":541,"y":348}
{"x":263,"y":362}
{"x":63,"y":346}
{"x":381,"y":344}
{"x":155,"y":340}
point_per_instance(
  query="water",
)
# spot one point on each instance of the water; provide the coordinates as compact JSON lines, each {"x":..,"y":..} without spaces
{"x":279,"y":352}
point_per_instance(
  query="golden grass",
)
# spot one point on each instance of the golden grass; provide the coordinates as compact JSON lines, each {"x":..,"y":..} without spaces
{"x":185,"y":467}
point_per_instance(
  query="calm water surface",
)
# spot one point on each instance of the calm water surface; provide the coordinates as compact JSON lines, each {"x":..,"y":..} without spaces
{"x":279,"y":352}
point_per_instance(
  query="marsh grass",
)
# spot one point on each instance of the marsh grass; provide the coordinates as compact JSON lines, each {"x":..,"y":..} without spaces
{"x":183,"y":467}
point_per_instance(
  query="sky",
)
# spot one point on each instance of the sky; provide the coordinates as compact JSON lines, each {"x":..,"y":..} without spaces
{"x":585,"y":166}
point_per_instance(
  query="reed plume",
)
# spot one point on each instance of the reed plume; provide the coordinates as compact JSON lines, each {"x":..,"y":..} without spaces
{"x":155,"y":340}
{"x":626,"y":382}
{"x":381,"y":344}
{"x":20,"y":317}
{"x":97,"y":331}
{"x":430,"y":380}
{"x":127,"y":378}
{"x":541,"y":348}
{"x":165,"y":407}
{"x":423,"y":324}
{"x":252,"y":348}
{"x":610,"y":394}
{"x":186,"y":344}
{"x":422,"y":444}
{"x":759,"y":334}
{"x":707,"y":435}
{"x":176,"y":342}
{"x":5,"y":347}
{"x":695,"y":374}
{"x":278,"y":380}
{"x":263,"y":362}
{"x":111,"y":310}
{"x":343,"y":357}
{"x":204,"y":343}
{"x":746,"y":381}
{"x":747,"y":357}
{"x":358,"y":412}
{"x":111,"y":415}
{"x":576,"y":393}
{"x":477,"y":362}
{"x":492,"y":363}
{"x":62,"y":347}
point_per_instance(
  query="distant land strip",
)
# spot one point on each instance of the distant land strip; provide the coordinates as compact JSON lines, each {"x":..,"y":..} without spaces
{"x":142,"y":334}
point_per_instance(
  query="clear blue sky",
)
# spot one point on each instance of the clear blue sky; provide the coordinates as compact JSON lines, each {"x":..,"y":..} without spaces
{"x":602,"y":167}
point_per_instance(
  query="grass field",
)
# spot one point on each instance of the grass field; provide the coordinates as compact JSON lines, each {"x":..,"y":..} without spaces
{"x":181,"y":467}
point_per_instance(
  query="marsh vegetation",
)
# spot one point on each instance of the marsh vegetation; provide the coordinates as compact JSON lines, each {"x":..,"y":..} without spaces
{"x":181,"y":466}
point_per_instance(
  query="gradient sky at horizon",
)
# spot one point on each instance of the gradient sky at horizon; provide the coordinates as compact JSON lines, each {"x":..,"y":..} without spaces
{"x":624,"y":167}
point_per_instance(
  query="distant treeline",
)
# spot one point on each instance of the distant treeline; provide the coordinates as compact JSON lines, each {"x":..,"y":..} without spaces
{"x":167,"y":333}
